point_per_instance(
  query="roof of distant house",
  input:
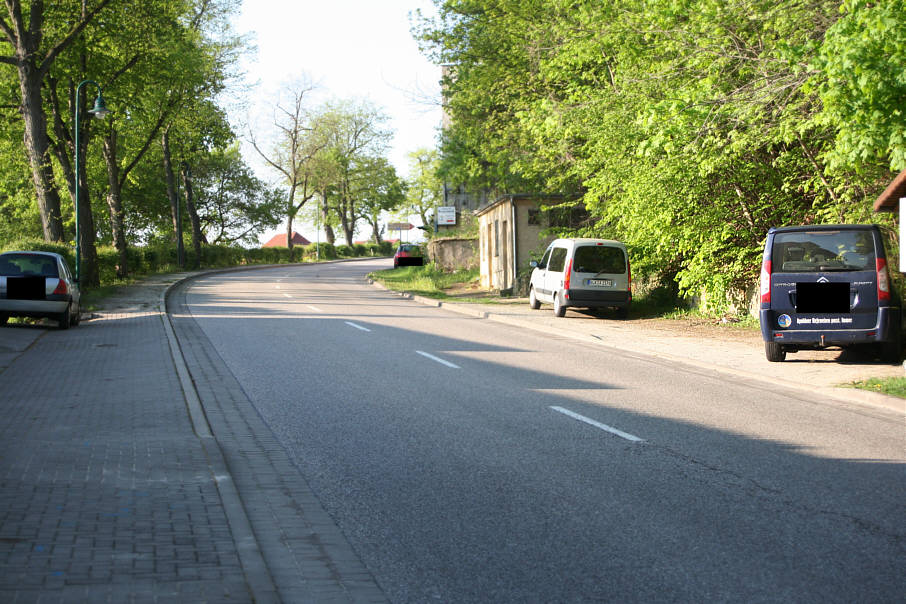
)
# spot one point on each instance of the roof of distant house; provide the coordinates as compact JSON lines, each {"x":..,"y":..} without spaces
{"x":280,"y":240}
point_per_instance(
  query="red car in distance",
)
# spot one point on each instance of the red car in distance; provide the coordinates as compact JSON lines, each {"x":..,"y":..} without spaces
{"x":408,"y":254}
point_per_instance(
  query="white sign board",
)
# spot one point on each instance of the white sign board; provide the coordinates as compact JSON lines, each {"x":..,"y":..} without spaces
{"x":902,"y":233}
{"x":446,"y":215}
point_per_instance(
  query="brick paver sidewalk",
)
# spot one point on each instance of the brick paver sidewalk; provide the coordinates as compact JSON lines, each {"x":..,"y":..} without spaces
{"x":115,"y":488}
{"x":105,"y":491}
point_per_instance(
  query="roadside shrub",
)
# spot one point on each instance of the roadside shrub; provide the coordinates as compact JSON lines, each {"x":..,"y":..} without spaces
{"x":39,"y":245}
{"x":345,"y":251}
{"x":328,"y":251}
{"x":360,"y":249}
{"x":108,"y":260}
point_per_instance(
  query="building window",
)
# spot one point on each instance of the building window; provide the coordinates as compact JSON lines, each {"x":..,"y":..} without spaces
{"x":534,"y":216}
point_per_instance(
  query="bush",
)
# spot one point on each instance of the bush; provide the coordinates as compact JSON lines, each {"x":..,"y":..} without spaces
{"x":160,"y":257}
{"x":328,"y":251}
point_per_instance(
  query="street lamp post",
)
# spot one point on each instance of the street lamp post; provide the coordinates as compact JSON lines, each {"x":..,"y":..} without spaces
{"x":99,"y":111}
{"x":180,"y":248}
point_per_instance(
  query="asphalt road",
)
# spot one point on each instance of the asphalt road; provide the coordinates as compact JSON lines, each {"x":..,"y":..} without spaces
{"x":471,"y":461}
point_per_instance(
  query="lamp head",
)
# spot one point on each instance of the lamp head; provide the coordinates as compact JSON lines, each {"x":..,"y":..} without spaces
{"x":100,"y":110}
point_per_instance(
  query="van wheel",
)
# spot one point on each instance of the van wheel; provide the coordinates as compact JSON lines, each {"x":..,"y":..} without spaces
{"x":774,"y":352}
{"x":622,"y":312}
{"x":533,"y":302}
{"x":559,"y":306}
{"x":892,"y":352}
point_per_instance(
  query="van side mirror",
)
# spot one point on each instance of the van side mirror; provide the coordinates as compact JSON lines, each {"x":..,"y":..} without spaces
{"x":533,"y":264}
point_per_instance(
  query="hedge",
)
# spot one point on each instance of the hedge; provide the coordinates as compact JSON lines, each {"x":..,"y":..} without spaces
{"x":160,"y":258}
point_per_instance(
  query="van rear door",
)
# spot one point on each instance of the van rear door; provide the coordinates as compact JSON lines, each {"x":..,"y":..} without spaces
{"x":824,"y":279}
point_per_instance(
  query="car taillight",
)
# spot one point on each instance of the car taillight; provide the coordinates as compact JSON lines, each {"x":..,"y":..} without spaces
{"x":766,"y":282}
{"x":61,"y":289}
{"x":569,"y":270}
{"x":629,"y":278}
{"x":883,"y":281}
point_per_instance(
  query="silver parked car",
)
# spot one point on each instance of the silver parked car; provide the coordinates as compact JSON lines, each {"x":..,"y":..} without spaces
{"x":40,"y":285}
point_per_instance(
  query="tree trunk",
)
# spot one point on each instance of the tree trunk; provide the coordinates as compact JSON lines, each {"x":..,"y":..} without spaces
{"x":115,"y":204}
{"x":171,"y":195}
{"x":348,"y":232}
{"x":37,"y":147}
{"x":289,"y":235}
{"x":347,"y":224}
{"x":325,"y":215}
{"x":197,"y":236}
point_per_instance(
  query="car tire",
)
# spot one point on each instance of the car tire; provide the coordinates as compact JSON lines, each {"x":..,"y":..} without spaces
{"x":774,"y":352}
{"x":4,"y":319}
{"x":533,"y":302}
{"x":65,"y":319}
{"x":77,"y":317}
{"x":892,"y":351}
{"x":622,"y":312}
{"x":559,"y":306}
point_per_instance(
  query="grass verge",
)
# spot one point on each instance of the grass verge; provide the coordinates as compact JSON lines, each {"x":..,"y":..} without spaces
{"x":892,"y":386}
{"x":429,"y":281}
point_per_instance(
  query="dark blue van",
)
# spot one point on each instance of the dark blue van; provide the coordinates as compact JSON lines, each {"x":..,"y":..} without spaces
{"x":827,"y":285}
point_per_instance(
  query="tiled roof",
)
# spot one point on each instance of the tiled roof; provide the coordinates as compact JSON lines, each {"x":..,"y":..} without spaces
{"x":280,"y":240}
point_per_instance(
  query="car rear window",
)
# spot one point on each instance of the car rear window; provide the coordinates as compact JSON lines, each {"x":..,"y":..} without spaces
{"x":28,"y":265}
{"x":823,"y":251}
{"x":599,"y":259}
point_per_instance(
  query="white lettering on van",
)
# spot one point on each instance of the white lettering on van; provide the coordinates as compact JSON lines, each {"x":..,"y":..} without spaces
{"x":823,"y":320}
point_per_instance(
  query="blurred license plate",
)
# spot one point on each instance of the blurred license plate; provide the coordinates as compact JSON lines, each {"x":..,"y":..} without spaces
{"x":600,"y":282}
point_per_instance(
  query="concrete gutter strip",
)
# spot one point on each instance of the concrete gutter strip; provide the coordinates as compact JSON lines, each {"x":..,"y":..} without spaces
{"x":258,"y":577}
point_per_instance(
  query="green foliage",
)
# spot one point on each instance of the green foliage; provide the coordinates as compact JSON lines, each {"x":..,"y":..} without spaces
{"x":328,"y":251}
{"x":424,"y":187}
{"x":234,"y":206}
{"x":688,"y":128}
{"x":861,"y":80}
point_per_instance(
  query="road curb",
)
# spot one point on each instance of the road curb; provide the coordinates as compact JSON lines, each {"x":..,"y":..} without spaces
{"x":257,"y":576}
{"x":838,"y":394}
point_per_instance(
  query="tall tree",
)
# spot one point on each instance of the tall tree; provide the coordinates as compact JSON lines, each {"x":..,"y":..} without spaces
{"x":356,"y":134}
{"x":295,"y":152}
{"x":233,"y":205}
{"x":379,"y":191}
{"x":23,"y":29}
{"x":424,"y":188}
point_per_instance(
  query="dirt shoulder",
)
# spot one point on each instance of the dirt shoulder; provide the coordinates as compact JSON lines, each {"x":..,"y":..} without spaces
{"x":717,"y":329}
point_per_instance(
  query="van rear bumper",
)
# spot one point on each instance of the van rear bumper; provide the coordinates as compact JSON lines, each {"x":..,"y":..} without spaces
{"x":590,"y":298}
{"x":886,"y":330}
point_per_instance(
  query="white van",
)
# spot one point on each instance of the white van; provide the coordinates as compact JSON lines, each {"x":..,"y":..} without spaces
{"x":589,"y":273}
